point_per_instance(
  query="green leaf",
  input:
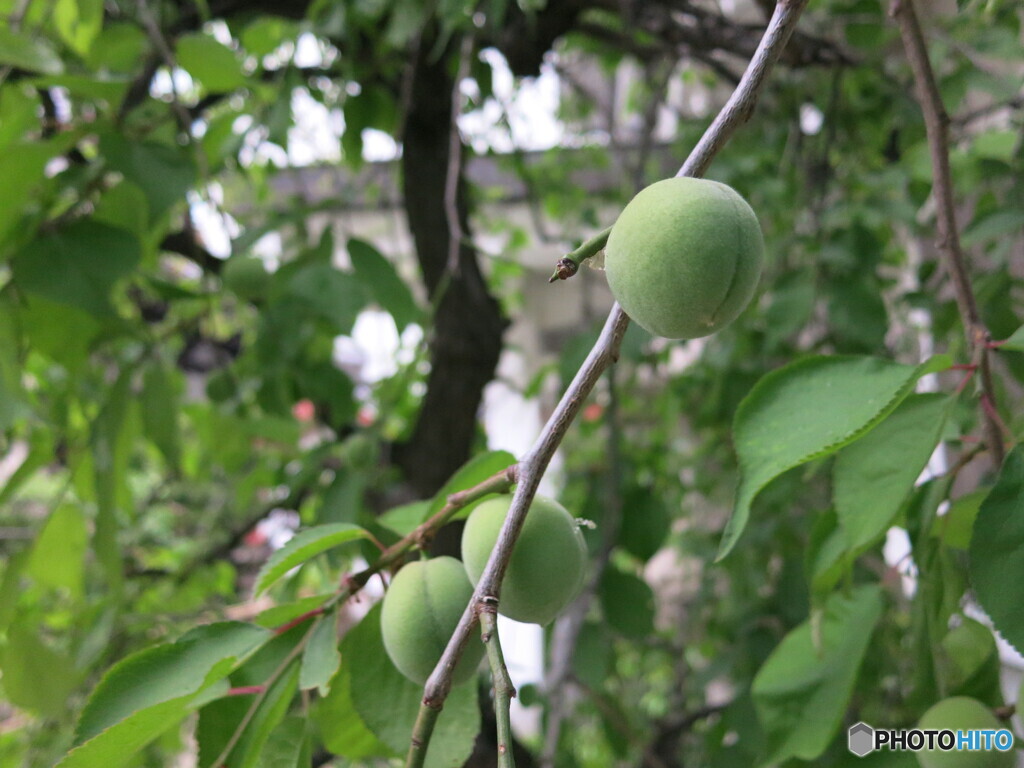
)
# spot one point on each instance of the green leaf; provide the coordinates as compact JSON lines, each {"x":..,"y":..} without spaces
{"x":330,"y":389}
{"x":873,"y":476}
{"x":288,"y":745}
{"x":473,"y":472}
{"x":304,"y":545}
{"x":21,"y":168}
{"x":109,"y":443}
{"x":77,"y":265}
{"x":792,"y":301}
{"x":58,"y":554}
{"x":594,"y":655}
{"x":998,"y":224}
{"x":119,"y":48}
{"x":266,"y":34}
{"x":383,"y":282}
{"x":22,"y":51}
{"x":58,"y":331}
{"x":333,"y":295}
{"x":802,"y":691}
{"x":163,"y":173}
{"x":404,"y":519}
{"x":12,"y":392}
{"x":167,"y":671}
{"x":997,"y":551}
{"x":996,"y":145}
{"x":17,"y":114}
{"x":271,"y":711}
{"x":857,"y":315}
{"x":967,"y":663}
{"x":646,"y":524}
{"x":388,"y":703}
{"x":220,"y":720}
{"x":36,"y":677}
{"x":808,"y":410}
{"x":1015,"y":342}
{"x":955,"y":527}
{"x":152,"y":690}
{"x":39,"y":455}
{"x":341,"y":727}
{"x":628,"y":603}
{"x":321,"y":659}
{"x":78,"y":22}
{"x":210,"y":62}
{"x":824,"y":560}
{"x":125,"y":205}
{"x":159,"y":403}
{"x":281,"y":614}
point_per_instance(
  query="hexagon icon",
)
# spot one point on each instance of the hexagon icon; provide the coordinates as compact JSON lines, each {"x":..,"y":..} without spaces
{"x":861,"y":739}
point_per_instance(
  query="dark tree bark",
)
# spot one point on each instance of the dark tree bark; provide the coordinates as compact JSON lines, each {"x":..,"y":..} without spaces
{"x":468,"y":327}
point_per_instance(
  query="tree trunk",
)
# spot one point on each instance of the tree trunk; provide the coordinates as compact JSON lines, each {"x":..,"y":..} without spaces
{"x":468,"y":327}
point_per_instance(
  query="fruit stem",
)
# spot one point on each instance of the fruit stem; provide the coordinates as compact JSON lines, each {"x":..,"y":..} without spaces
{"x":569,"y":264}
{"x":504,"y":691}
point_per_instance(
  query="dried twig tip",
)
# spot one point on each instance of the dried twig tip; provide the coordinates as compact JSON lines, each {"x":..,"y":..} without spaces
{"x":564,"y":269}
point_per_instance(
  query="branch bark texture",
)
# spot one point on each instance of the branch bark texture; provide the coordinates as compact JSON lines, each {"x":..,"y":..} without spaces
{"x":936,"y":121}
{"x":468,"y":325}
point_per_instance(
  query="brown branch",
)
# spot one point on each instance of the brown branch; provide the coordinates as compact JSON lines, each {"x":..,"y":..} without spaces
{"x":601,"y":356}
{"x":936,"y":122}
{"x":962,"y":121}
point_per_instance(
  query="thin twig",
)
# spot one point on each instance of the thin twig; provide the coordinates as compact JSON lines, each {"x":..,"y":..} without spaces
{"x":156,"y":36}
{"x":261,"y":697}
{"x":962,"y":121}
{"x":422,"y":730}
{"x":504,"y":691}
{"x":569,"y":264}
{"x":454,"y":170}
{"x":740,"y":106}
{"x":500,"y":482}
{"x":936,"y":122}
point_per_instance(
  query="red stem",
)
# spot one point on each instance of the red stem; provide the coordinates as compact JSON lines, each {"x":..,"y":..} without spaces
{"x":245,"y":690}
{"x":298,"y":620}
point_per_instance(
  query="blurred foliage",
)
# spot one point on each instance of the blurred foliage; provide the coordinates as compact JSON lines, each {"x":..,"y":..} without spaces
{"x":157,"y":400}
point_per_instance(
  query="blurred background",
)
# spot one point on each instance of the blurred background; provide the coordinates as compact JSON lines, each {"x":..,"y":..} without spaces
{"x":266,"y":266}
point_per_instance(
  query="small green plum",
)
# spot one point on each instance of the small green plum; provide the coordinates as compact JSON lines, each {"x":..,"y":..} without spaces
{"x":421,"y":609}
{"x":684,"y":257}
{"x":548,"y":562}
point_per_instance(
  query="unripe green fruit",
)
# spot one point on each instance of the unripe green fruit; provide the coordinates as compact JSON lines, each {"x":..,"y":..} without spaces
{"x":548,"y":562}
{"x":961,"y":713}
{"x":421,"y":609}
{"x":684,"y":257}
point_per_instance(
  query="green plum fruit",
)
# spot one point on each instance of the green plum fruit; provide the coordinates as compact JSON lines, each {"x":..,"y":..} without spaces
{"x":960,"y":713}
{"x":548,"y":562}
{"x":421,"y":609}
{"x":684,"y":257}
